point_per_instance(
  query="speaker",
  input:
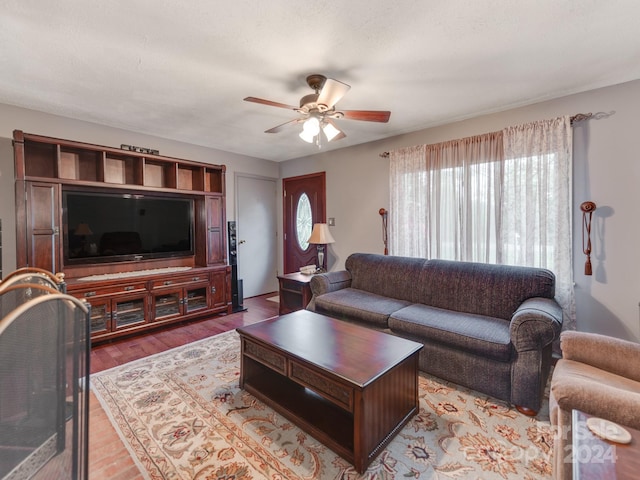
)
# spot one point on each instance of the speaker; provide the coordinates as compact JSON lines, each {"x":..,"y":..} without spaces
{"x":240,"y":295}
{"x":236,"y":284}
{"x":233,"y":245}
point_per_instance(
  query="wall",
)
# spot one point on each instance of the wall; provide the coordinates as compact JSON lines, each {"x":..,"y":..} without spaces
{"x":30,"y":121}
{"x":606,"y":171}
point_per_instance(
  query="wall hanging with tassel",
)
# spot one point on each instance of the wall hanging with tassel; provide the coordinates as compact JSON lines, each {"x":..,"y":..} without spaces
{"x":587,"y":211}
{"x":383,"y":213}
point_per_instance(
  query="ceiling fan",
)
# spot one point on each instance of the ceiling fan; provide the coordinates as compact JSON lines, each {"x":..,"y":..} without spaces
{"x":318,"y":110}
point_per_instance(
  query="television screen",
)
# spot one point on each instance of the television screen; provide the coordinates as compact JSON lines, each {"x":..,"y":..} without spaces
{"x":108,"y":227}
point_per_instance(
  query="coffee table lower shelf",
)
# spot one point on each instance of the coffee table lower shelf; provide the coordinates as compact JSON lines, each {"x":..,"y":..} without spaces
{"x":328,"y":423}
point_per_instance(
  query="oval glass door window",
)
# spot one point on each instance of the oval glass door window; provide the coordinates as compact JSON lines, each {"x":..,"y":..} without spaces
{"x":303,"y":221}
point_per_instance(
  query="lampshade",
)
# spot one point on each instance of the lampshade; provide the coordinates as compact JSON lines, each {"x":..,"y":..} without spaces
{"x":321,"y":234}
{"x":306,"y":136}
{"x":330,"y":131}
{"x":83,"y":229}
{"x":313,"y":126}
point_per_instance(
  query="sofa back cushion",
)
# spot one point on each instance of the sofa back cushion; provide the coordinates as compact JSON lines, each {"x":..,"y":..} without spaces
{"x":389,"y":276}
{"x":482,"y":288}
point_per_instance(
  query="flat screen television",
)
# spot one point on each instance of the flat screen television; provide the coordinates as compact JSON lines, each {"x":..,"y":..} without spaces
{"x":101,"y":227}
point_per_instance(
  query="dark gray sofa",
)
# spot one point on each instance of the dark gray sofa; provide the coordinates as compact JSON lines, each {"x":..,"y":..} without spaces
{"x":487,"y":327}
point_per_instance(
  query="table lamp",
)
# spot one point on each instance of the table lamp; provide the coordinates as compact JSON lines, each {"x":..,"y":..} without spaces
{"x":321,"y":236}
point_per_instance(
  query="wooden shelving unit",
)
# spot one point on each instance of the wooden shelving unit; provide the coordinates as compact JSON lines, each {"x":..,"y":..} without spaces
{"x":46,"y":167}
{"x":66,"y":161}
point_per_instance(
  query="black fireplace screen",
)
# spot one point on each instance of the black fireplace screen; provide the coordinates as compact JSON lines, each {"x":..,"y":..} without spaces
{"x":44,"y":378}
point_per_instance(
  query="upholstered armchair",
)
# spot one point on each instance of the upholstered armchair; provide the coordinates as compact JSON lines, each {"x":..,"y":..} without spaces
{"x":598,"y":375}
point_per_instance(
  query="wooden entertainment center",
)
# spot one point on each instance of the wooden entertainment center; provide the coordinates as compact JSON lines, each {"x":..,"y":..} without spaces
{"x":134,"y":293}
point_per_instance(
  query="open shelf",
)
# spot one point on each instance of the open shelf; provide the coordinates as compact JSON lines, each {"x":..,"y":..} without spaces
{"x":123,"y":170}
{"x":314,"y":413}
{"x":80,"y":165}
{"x":190,"y":178}
{"x":42,"y":159}
{"x":213,"y":181}
{"x":159,"y":174}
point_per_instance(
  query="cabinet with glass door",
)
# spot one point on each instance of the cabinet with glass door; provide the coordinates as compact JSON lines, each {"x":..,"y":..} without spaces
{"x":179,"y":297}
{"x":113,"y":313}
{"x":115,"y":307}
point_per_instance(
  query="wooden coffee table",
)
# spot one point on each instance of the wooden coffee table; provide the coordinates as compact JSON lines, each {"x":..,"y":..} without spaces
{"x":350,"y":387}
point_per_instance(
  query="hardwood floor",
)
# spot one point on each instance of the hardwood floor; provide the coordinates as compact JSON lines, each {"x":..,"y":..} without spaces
{"x":108,"y":457}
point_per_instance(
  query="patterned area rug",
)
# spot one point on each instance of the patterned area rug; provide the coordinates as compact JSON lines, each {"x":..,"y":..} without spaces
{"x":183,"y":416}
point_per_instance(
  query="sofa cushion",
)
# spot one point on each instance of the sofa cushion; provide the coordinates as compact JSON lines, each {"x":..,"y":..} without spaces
{"x":482,"y":288}
{"x":477,"y":334}
{"x":389,"y":276}
{"x":359,"y":305}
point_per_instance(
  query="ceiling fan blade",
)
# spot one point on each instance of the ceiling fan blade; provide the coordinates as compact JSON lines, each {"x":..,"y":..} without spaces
{"x":332,"y":92}
{"x":281,"y":127}
{"x":337,"y":136}
{"x":367,"y":115}
{"x":270,"y":103}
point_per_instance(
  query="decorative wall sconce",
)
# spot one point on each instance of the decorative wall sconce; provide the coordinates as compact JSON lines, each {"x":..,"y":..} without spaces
{"x":587,"y":211}
{"x":384,"y":214}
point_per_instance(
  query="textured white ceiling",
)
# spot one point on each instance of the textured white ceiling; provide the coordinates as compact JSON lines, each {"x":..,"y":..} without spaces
{"x":180,"y":70}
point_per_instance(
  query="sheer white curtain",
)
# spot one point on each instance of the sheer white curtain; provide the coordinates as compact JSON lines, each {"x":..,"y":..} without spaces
{"x":536,"y":211}
{"x":409,"y":202}
{"x":445,"y":199}
{"x":502,"y":197}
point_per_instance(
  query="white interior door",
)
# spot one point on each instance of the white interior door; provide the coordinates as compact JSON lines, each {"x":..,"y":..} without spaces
{"x":256,"y":234}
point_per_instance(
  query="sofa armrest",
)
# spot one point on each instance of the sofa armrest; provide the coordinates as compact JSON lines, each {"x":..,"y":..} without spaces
{"x":330,"y":282}
{"x":610,"y":354}
{"x":327,"y":282}
{"x":535,"y":324}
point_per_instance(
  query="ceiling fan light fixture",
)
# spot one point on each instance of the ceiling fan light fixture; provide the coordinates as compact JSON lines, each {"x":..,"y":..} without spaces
{"x":310,"y":129}
{"x":330,"y":131}
{"x":311,"y":125}
{"x":307,"y":136}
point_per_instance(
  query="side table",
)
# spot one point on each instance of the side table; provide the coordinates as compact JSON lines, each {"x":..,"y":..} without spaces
{"x":595,"y":458}
{"x":295,"y":292}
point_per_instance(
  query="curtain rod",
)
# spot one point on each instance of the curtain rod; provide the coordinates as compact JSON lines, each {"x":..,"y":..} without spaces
{"x":578,"y":117}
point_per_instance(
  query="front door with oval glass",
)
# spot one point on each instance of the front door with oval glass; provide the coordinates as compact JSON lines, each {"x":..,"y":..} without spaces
{"x":304,"y":206}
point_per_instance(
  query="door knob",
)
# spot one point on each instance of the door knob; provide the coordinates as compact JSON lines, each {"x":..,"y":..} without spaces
{"x":242,"y":241}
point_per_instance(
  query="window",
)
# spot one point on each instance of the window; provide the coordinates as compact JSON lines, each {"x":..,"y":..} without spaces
{"x":502,"y":197}
{"x":304,"y":221}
